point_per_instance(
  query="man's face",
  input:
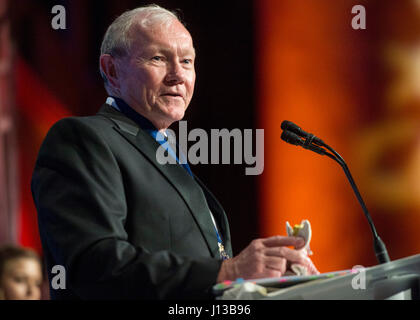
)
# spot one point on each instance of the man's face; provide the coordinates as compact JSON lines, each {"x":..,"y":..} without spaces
{"x":157,"y":77}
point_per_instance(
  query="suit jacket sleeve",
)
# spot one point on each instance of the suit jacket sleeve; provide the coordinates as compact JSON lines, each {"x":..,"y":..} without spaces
{"x":79,"y":195}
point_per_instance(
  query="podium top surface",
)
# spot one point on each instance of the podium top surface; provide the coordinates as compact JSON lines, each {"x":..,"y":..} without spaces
{"x":337,"y":284}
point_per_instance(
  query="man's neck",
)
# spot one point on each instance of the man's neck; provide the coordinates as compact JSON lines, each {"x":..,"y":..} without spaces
{"x":160,"y":126}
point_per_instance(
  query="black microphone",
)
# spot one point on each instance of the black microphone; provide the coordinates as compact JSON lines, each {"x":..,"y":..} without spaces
{"x":291,"y":138}
{"x":294,"y":139}
{"x":295,"y":135}
{"x":290,"y":126}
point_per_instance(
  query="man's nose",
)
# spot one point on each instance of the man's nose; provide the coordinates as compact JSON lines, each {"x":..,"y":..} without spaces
{"x":175,"y":74}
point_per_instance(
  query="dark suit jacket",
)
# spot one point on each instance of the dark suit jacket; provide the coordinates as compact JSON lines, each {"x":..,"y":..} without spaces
{"x":121,"y":224}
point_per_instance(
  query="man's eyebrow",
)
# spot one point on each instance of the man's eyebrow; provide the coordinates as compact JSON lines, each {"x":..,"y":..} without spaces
{"x":167,"y":50}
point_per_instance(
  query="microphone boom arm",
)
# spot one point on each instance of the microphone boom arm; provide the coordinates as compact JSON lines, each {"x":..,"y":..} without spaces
{"x":379,"y":246}
{"x":291,"y":134}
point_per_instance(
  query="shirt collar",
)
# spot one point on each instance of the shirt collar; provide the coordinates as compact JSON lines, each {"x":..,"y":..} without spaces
{"x":120,"y":105}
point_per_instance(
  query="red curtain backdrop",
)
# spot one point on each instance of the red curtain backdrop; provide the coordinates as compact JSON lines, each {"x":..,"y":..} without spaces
{"x":38,"y":110}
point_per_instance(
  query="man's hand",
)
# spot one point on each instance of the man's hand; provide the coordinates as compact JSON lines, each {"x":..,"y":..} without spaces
{"x":264,"y":258}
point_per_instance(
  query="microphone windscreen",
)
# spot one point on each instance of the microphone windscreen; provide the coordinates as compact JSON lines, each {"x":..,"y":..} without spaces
{"x":290,"y":126}
{"x":286,"y":125}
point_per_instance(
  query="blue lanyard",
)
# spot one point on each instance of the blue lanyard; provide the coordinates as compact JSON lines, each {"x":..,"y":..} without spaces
{"x":163,"y":141}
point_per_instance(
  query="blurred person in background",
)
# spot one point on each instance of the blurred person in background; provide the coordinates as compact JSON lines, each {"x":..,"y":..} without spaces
{"x":20,"y":273}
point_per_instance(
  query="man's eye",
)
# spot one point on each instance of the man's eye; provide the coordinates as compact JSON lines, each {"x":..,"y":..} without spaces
{"x":187,"y":61}
{"x":157,"y":58}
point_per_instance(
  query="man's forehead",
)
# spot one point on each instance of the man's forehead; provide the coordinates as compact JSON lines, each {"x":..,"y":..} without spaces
{"x":160,"y":31}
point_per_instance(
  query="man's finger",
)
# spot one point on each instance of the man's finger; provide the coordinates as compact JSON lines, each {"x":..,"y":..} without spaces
{"x":278,"y":241}
{"x":289,"y":254}
{"x":276,"y":263}
{"x":312,"y":269}
{"x":300,"y":247}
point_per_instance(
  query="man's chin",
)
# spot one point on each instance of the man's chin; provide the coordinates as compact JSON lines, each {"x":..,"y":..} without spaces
{"x":175,"y":113}
{"x":178,"y":117}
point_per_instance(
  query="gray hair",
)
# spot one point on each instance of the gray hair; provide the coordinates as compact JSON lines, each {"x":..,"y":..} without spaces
{"x":116,"y":41}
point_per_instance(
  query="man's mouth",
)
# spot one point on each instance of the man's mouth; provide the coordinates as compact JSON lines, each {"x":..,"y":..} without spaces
{"x":172,"y":95}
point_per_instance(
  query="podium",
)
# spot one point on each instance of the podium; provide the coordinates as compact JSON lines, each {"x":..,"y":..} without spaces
{"x":397,"y":280}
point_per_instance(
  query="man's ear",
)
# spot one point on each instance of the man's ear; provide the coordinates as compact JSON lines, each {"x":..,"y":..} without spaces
{"x":109,"y":70}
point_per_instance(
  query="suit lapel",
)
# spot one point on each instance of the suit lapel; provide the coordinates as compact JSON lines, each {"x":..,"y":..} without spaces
{"x":176,"y":175}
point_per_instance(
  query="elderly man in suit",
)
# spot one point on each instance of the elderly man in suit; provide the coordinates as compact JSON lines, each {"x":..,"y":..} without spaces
{"x":122,"y":224}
